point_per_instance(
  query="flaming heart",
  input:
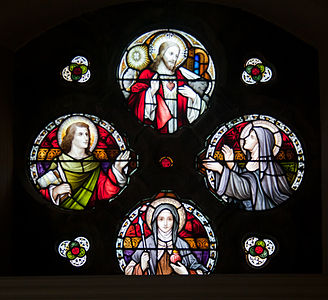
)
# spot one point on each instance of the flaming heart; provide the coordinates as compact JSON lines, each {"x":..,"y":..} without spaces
{"x":170,"y":85}
{"x":175,"y":257}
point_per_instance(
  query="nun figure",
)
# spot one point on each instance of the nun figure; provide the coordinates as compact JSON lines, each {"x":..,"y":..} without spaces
{"x":164,"y":252}
{"x":262,"y":183}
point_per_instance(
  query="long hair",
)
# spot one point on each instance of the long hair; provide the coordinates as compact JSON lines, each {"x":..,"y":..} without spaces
{"x":66,"y":144}
{"x":161,"y":51}
{"x":175,"y":215}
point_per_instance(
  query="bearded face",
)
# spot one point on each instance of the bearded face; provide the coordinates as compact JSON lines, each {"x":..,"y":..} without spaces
{"x":170,"y":57}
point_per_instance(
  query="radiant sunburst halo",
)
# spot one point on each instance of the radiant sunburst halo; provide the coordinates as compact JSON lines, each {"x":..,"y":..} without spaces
{"x":137,"y":57}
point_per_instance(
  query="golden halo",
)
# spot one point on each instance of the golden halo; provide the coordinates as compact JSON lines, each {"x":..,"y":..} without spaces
{"x":165,"y":200}
{"x":74,"y":119}
{"x":265,"y":124}
{"x":168,"y":37}
{"x":137,"y":58}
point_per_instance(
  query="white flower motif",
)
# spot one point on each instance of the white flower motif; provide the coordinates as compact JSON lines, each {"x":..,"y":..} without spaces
{"x":75,"y":251}
{"x":258,"y":252}
{"x":266,"y":72}
{"x":85,"y":74}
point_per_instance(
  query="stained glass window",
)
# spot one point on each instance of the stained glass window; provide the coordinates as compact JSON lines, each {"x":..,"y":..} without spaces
{"x":210,"y":60}
{"x":255,"y":72}
{"x":75,"y":251}
{"x":78,"y":70}
{"x":165,"y":236}
{"x":79,"y":159}
{"x":258,"y":252}
{"x":254,"y":162}
{"x":167,"y":77}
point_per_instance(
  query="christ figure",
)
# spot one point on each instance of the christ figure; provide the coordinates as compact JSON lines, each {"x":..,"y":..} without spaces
{"x":162,"y":95}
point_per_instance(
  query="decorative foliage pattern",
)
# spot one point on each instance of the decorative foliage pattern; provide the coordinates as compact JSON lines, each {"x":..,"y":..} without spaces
{"x":256,"y":72}
{"x":258,"y":252}
{"x":75,"y":250}
{"x":78,"y":70}
{"x":195,"y":237}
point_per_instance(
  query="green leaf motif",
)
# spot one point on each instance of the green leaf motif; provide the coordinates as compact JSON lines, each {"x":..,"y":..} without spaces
{"x":261,"y":67}
{"x":73,"y":244}
{"x":72,"y":66}
{"x":260,"y":243}
{"x":249,"y":69}
{"x":76,"y":77}
{"x":84,"y":69}
{"x":264,"y":254}
{"x":252,"y":251}
{"x":257,"y":77}
{"x":82,"y":252}
{"x":70,"y":255}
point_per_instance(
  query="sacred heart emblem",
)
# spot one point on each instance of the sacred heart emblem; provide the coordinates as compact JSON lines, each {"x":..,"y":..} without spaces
{"x":170,"y":85}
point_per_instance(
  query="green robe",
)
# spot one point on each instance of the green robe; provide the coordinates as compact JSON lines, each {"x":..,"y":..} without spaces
{"x":82,"y":175}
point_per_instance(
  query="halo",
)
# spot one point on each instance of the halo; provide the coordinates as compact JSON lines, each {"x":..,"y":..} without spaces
{"x":265,"y":124}
{"x":69,"y":121}
{"x":168,"y":37}
{"x":152,"y":206}
{"x":137,"y":58}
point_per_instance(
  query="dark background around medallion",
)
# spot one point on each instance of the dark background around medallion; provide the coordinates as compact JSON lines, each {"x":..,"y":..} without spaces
{"x":230,"y":36}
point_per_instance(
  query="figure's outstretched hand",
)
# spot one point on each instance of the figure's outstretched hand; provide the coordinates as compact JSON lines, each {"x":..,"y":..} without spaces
{"x":228,"y":156}
{"x":179,"y":268}
{"x":122,"y":160}
{"x":212,"y":164}
{"x":61,"y":190}
{"x":154,"y":85}
{"x":187,"y":92}
{"x":144,"y":261}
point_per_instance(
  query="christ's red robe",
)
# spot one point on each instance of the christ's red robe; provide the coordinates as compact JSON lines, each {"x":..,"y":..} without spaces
{"x":136,"y":102}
